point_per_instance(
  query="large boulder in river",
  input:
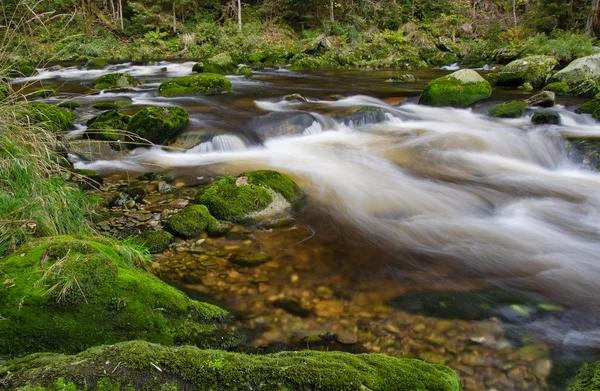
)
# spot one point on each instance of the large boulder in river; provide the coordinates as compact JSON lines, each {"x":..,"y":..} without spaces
{"x":202,"y":84}
{"x":66,"y":294}
{"x":115,"y":81}
{"x":151,"y":366}
{"x":107,"y":126}
{"x":221,"y":63}
{"x":510,"y":109}
{"x":582,"y":76}
{"x":459,"y":89}
{"x":543,"y":99}
{"x":532,"y":70}
{"x":546,"y":117}
{"x":251,"y":197}
{"x":158,"y":124}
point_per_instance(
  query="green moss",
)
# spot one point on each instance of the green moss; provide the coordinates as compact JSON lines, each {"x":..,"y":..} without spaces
{"x":66,"y":294}
{"x":198,"y":67}
{"x":158,"y":124}
{"x":532,"y":69}
{"x":191,"y":368}
{"x":589,"y":107}
{"x":492,"y":78}
{"x":49,"y":117}
{"x":115,"y":80}
{"x":510,"y":109}
{"x":244,"y":70}
{"x":107,"y":126}
{"x":112,"y":105}
{"x":277,"y":182}
{"x":190,"y":222}
{"x":587,"y":378}
{"x":227,"y":201}
{"x":69,"y":104}
{"x":221,"y":63}
{"x":42,"y":93}
{"x":202,"y":84}
{"x":23,"y":70}
{"x":559,"y":87}
{"x":546,"y":117}
{"x":97,"y":63}
{"x":155,"y":241}
{"x":459,"y":89}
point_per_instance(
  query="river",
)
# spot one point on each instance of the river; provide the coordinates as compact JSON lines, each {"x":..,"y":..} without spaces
{"x":410,"y":210}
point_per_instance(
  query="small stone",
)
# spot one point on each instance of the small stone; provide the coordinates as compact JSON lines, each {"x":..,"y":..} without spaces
{"x":262,"y":287}
{"x":329,"y":308}
{"x":392,"y":329}
{"x":294,"y":278}
{"x":200,"y":241}
{"x":346,"y":337}
{"x":542,"y":368}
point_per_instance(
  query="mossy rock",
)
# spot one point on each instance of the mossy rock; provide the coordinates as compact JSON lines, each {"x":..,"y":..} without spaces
{"x":510,"y":109}
{"x":546,"y":117}
{"x":587,"y":88}
{"x":107,"y":126}
{"x":69,"y":104}
{"x":244,"y":198}
{"x":155,"y":241}
{"x":580,"y":75}
{"x":218,"y":228}
{"x":23,"y":70}
{"x":190,"y":368}
{"x":42,"y":93}
{"x":221,"y":63}
{"x":249,"y":259}
{"x":492,"y":78}
{"x":459,"y":89}
{"x":559,"y":88}
{"x":158,"y":124}
{"x":112,"y":105}
{"x":244,"y":70}
{"x":202,"y":84}
{"x":407,"y":78}
{"x":589,"y":107}
{"x":66,"y":294}
{"x":97,"y":63}
{"x":48,"y":117}
{"x":190,"y":222}
{"x":586,"y":379}
{"x":532,"y":69}
{"x":115,"y":80}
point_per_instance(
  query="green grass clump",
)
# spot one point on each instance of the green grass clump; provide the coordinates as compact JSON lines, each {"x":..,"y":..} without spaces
{"x":510,"y":109}
{"x":202,"y":84}
{"x":188,"y":368}
{"x":190,"y":222}
{"x":34,"y":199}
{"x":112,"y":105}
{"x":115,"y":80}
{"x":66,"y":294}
{"x":46,"y":116}
{"x":158,"y":124}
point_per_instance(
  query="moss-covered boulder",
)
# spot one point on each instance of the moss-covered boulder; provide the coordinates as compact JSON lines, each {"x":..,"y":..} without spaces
{"x":190,"y":222}
{"x":510,"y":109}
{"x":146,"y":366}
{"x":115,"y":80}
{"x":69,"y":104}
{"x":108,"y":126}
{"x":406,"y":78}
{"x":543,"y":99}
{"x":546,"y":117}
{"x":158,"y":124}
{"x":581,"y":75}
{"x":459,"y":89}
{"x":492,"y":78}
{"x":112,"y":105}
{"x":244,"y":70}
{"x":97,"y":63}
{"x":559,"y":88}
{"x":155,"y":241}
{"x":586,"y":379}
{"x":589,"y":107}
{"x":202,"y":84}
{"x":48,"y":117}
{"x":66,"y":294}
{"x":221,"y":63}
{"x":532,"y":69}
{"x":255,"y":196}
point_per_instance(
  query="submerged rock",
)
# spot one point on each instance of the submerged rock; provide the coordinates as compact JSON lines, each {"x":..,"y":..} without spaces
{"x":582,"y":76}
{"x":252,"y":197}
{"x":459,"y":89}
{"x":158,"y":124}
{"x":532,"y":69}
{"x":295,"y":98}
{"x":202,"y":84}
{"x":66,"y":294}
{"x":546,"y":117}
{"x":149,"y":366}
{"x":249,"y":259}
{"x":107,"y":126}
{"x":510,"y":109}
{"x":543,"y":99}
{"x":115,"y":80}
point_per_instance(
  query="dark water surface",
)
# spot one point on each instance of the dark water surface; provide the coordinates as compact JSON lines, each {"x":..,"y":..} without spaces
{"x":433,"y":233}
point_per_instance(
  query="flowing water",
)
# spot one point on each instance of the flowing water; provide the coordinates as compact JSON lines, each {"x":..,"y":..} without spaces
{"x":406,"y":204}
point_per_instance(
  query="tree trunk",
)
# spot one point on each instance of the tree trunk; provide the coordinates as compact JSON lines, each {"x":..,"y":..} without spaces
{"x":331,"y":10}
{"x":515,"y":12}
{"x":239,"y":10}
{"x":593,"y":19}
{"x":121,"y":13}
